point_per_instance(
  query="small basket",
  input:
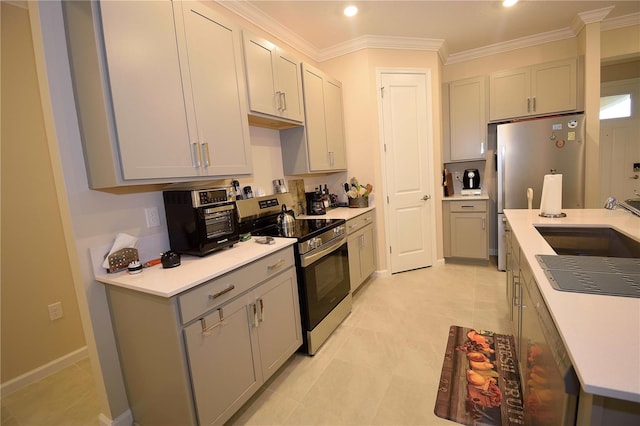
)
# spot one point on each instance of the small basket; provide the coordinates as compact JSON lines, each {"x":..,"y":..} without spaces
{"x":359,"y":202}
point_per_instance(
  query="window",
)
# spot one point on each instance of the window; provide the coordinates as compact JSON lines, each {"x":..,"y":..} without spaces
{"x":616,"y":106}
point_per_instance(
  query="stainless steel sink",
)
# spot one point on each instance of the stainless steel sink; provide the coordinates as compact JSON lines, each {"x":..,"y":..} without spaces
{"x":589,"y":241}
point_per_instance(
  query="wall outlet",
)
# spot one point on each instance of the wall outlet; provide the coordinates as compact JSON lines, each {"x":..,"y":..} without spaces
{"x":153,"y":218}
{"x":457,"y":175}
{"x":55,"y":311}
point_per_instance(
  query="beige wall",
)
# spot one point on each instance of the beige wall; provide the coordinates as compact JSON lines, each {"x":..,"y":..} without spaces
{"x":35,"y":263}
{"x":98,"y":216}
{"x":620,"y":43}
{"x":357,"y":71}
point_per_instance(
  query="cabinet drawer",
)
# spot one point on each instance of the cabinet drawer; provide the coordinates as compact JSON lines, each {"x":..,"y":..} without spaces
{"x":468,"y":206}
{"x":219,"y":290}
{"x":359,"y":221}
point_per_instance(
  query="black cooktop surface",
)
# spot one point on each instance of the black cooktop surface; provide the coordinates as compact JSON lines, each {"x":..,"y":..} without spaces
{"x":304,"y":228}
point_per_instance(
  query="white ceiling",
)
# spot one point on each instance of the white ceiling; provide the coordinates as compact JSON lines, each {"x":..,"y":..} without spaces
{"x":457,"y":29}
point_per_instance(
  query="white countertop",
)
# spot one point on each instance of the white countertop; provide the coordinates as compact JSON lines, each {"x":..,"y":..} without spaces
{"x":601,"y":333}
{"x":339,"y":213}
{"x":194,"y":270}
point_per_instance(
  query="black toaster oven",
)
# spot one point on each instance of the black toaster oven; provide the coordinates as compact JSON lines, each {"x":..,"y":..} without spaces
{"x":201,"y":221}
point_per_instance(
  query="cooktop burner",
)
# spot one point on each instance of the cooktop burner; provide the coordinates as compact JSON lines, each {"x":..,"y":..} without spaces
{"x":304,"y":229}
{"x":259,"y":217}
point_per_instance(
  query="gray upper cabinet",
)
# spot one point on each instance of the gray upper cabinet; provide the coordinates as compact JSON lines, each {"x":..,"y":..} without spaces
{"x":319,"y":147}
{"x":274,"y":82}
{"x":467,"y":110}
{"x":536,"y":90}
{"x":155,"y":104}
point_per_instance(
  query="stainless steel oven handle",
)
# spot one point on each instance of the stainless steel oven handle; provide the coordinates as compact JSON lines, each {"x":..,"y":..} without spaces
{"x":311,"y":257}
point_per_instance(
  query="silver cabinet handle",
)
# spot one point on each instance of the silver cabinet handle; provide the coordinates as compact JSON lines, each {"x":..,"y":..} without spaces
{"x":534,"y":104}
{"x":276,"y":265}
{"x":261,"y":316}
{"x":284,"y":101}
{"x":426,"y":197}
{"x":205,"y":154}
{"x":220,"y":293}
{"x":207,"y":330}
{"x":483,"y":223}
{"x":254,"y":308}
{"x":195,"y":155}
{"x":528,"y":105}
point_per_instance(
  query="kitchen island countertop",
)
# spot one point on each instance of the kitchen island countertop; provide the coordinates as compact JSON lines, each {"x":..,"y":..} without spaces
{"x":194,"y":270}
{"x":601,"y":333}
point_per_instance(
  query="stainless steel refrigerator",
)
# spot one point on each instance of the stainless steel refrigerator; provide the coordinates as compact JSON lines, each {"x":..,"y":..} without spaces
{"x":527,"y":150}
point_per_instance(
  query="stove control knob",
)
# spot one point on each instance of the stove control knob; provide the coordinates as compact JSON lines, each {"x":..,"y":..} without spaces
{"x":315,"y":242}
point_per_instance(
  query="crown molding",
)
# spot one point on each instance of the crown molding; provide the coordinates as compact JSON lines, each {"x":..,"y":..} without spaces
{"x":380,"y":42}
{"x":620,"y":22}
{"x":267,"y":23}
{"x":510,"y":45}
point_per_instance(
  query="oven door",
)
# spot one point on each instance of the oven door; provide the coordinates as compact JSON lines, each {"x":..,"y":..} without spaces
{"x":323,"y":280}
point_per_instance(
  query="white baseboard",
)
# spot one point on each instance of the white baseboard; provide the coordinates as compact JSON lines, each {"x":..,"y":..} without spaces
{"x":43,"y":371}
{"x":124,"y":419}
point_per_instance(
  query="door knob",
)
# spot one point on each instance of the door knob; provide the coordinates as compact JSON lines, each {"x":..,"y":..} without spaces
{"x":426,"y":197}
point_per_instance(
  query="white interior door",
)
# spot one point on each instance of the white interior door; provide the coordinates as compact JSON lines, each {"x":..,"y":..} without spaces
{"x":619,"y":146}
{"x":405,"y":110}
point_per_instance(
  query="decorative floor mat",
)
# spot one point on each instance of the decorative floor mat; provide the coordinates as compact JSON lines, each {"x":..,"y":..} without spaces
{"x":480,"y":383}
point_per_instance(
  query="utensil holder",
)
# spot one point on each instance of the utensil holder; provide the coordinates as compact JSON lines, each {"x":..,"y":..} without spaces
{"x":359,"y":202}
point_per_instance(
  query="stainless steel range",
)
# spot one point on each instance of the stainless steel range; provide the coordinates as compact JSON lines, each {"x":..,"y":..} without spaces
{"x":322,"y":263}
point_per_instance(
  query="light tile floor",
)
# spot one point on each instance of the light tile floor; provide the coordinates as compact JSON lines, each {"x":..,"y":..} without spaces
{"x":65,"y":398}
{"x":380,"y":367}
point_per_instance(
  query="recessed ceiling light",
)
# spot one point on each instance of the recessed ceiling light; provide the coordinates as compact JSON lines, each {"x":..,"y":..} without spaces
{"x":350,"y":11}
{"x":509,"y":3}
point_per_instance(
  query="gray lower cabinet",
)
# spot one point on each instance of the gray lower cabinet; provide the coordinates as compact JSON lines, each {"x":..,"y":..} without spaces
{"x":196,"y":358}
{"x":360,"y":244}
{"x":466,"y":234}
{"x":513,"y":290}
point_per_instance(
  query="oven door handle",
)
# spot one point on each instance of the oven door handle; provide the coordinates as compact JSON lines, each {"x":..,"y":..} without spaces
{"x":311,"y":257}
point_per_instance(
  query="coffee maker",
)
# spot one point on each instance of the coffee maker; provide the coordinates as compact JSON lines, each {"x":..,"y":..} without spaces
{"x":471,"y":182}
{"x":315,"y":203}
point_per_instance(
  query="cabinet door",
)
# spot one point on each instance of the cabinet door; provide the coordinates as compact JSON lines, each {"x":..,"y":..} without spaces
{"x":221,"y":356}
{"x":335,"y":124}
{"x":469,"y":235}
{"x":146,"y":90}
{"x":553,"y":87}
{"x":315,"y":120}
{"x":468,"y":119}
{"x":289,"y":85}
{"x":353,"y":246}
{"x":361,"y":256}
{"x":217,"y":95}
{"x":367,"y":257}
{"x":510,"y":93}
{"x":278,"y":328}
{"x":260,"y":56}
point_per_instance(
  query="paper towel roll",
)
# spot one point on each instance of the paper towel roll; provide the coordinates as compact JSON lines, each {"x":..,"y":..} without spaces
{"x":551,"y":201}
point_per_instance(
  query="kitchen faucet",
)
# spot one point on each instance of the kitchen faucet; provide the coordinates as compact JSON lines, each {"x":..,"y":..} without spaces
{"x":612,"y":203}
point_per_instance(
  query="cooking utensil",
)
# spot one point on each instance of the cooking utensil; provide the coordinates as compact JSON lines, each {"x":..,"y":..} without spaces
{"x":286,"y":222}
